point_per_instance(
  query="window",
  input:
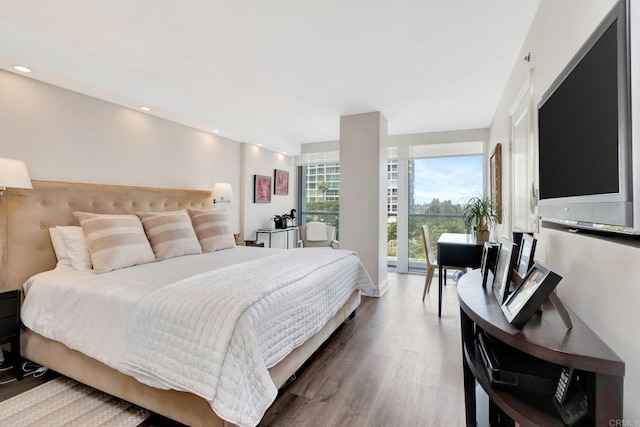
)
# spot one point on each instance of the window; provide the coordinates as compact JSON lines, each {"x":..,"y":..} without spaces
{"x":441,"y":186}
{"x":319,"y":193}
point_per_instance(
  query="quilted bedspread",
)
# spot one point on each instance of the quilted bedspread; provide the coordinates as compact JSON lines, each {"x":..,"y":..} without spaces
{"x":217,"y":333}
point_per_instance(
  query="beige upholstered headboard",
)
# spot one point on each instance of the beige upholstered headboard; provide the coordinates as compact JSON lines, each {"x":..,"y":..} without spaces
{"x":30,"y":214}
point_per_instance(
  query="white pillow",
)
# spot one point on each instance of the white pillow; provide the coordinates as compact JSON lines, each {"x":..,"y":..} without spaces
{"x":59,"y":247}
{"x":316,"y":231}
{"x":76,"y":246}
{"x":170,"y":233}
{"x":213,"y":230}
{"x":115,"y":241}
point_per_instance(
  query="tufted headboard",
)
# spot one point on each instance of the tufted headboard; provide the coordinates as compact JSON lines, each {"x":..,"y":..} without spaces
{"x":30,"y":214}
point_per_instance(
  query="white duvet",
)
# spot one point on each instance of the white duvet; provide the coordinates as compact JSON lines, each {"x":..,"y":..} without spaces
{"x":214,"y":333}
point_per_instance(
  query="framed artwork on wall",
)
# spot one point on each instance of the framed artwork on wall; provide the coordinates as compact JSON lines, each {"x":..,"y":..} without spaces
{"x":261,"y":189}
{"x":495,"y":178}
{"x":281,"y":182}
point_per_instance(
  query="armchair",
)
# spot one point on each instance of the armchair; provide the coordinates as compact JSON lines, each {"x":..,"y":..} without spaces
{"x":318,"y":234}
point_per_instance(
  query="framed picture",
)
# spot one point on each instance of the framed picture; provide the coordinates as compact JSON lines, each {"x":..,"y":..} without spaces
{"x":529,"y":296}
{"x":261,"y":189}
{"x":495,"y":171}
{"x":525,"y":254}
{"x":488,"y":263}
{"x":502,"y":276}
{"x":281,"y":182}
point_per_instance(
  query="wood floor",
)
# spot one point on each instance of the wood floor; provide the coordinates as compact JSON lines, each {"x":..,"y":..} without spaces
{"x":394,"y":364}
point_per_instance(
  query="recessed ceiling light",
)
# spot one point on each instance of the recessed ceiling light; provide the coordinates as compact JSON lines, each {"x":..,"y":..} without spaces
{"x":216,"y":131}
{"x":145,"y":108}
{"x":259,"y":145}
{"x":22,"y":68}
{"x":284,"y":152}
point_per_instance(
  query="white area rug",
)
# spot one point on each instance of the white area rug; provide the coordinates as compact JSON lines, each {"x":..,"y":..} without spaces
{"x":65,"y":402}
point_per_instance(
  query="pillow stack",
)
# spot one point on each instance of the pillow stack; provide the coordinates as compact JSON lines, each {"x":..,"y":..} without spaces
{"x":106,"y":242}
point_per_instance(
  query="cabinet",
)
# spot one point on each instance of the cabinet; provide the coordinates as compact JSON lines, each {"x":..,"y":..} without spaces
{"x":10,"y":326}
{"x":546,"y":337}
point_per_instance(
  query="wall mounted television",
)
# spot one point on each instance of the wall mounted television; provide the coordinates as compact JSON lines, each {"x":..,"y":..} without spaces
{"x":584,"y":135}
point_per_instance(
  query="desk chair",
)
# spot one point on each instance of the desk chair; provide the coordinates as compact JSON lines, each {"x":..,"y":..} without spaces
{"x":432,"y":262}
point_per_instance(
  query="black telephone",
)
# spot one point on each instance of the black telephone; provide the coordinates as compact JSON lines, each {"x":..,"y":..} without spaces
{"x":570,"y":399}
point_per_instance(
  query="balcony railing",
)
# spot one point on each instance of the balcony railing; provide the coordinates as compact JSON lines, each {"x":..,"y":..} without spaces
{"x":438,"y":224}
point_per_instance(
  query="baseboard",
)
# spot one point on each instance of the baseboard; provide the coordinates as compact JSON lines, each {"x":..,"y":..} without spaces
{"x":381,"y":289}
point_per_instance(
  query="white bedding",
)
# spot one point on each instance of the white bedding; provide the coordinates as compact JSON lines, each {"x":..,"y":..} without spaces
{"x":270,"y":319}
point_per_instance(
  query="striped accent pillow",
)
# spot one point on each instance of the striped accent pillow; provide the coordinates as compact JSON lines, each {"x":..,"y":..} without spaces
{"x":213,"y":230}
{"x":115,"y":241}
{"x":170,"y":233}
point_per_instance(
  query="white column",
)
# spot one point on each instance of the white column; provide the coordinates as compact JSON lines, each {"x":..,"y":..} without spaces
{"x":363,"y":192}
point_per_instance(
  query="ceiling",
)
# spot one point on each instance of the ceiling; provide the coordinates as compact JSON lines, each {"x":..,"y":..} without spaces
{"x":281,"y":72}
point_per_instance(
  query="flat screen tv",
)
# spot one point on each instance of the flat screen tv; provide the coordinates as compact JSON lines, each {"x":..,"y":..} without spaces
{"x":584,"y":134}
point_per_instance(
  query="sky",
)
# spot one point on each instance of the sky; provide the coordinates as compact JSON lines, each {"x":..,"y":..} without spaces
{"x":448,"y":178}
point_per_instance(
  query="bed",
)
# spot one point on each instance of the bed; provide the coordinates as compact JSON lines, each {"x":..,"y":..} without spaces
{"x":30,"y":214}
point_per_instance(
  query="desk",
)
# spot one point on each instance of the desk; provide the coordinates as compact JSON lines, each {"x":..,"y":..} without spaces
{"x":272,"y":231}
{"x":456,"y":250}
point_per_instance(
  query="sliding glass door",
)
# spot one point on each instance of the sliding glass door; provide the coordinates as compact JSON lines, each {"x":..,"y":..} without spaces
{"x":436,"y":190}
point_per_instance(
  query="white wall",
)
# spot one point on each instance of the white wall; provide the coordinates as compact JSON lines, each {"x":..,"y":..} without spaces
{"x":600,"y":276}
{"x":67,"y":136}
{"x":259,"y":161}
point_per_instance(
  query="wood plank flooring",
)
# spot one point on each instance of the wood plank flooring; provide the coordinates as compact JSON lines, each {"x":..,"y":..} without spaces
{"x":394,"y":364}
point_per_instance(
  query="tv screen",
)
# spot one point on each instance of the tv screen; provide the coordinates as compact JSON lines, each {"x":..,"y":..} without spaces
{"x":584,"y":135}
{"x":579,"y":127}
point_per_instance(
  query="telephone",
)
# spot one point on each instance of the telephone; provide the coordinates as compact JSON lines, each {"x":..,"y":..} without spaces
{"x":570,"y":399}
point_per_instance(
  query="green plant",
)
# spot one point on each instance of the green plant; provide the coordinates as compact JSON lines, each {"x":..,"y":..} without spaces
{"x":282,"y":217}
{"x":281,"y":220}
{"x":480,"y":212}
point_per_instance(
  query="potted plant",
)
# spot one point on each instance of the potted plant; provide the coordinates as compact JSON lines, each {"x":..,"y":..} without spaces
{"x":281,"y":220}
{"x":481,"y":213}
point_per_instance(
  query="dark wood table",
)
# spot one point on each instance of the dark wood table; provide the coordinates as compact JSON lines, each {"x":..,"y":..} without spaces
{"x":456,"y":250}
{"x":545,"y":337}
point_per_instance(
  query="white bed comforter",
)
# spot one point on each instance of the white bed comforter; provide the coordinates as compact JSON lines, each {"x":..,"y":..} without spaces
{"x":215,"y":334}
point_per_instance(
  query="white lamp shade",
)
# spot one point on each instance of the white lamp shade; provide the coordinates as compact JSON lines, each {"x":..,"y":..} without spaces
{"x":222,"y":190}
{"x":14,"y":174}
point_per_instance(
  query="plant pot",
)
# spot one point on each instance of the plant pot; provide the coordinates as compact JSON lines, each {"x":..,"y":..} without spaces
{"x":278,"y":223}
{"x":482,"y":236}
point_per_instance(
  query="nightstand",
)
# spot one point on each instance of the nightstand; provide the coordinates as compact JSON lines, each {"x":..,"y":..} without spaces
{"x":10,"y":326}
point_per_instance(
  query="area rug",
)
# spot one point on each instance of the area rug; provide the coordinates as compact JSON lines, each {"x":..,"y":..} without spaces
{"x":65,"y":402}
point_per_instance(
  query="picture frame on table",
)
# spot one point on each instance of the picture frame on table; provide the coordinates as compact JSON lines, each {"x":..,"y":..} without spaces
{"x":261,"y":189}
{"x":488,"y":262}
{"x":525,"y":254}
{"x":280,"y":182}
{"x":502,"y":275}
{"x":535,"y":288}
